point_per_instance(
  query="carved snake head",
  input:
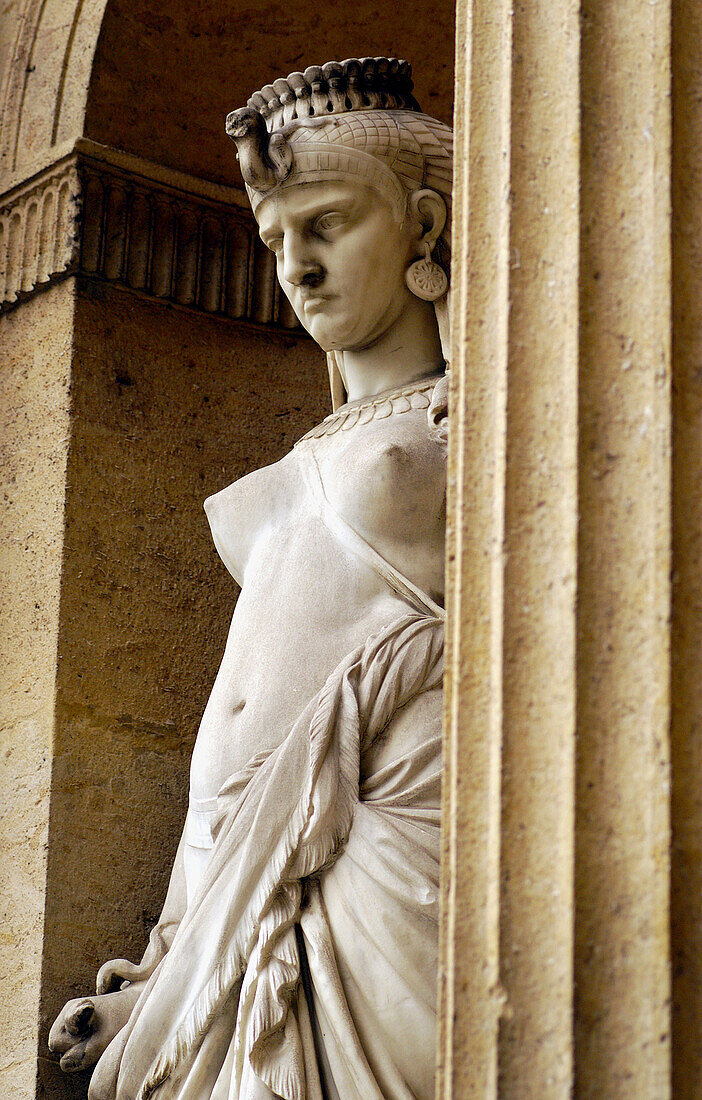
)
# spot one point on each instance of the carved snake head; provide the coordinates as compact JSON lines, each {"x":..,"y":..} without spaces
{"x":265,"y":160}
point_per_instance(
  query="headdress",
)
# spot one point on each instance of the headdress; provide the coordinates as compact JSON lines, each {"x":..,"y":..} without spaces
{"x":346,"y":118}
{"x":356,"y":118}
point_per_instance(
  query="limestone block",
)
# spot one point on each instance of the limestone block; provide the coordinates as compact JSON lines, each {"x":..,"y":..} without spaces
{"x":35,"y":430}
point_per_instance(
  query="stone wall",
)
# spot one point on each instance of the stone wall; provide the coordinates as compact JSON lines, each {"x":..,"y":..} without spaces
{"x":121,"y":414}
{"x":167,"y":408}
{"x":35,"y":434}
{"x":149,"y":359}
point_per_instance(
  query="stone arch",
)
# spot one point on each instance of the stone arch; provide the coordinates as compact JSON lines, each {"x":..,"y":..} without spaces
{"x":46,"y":62}
{"x":145,"y":49}
{"x":75,"y":68}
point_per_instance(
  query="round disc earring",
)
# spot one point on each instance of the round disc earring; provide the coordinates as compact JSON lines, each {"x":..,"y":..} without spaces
{"x":426,"y":279}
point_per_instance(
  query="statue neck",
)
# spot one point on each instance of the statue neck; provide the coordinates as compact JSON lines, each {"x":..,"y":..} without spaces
{"x":408,"y":350}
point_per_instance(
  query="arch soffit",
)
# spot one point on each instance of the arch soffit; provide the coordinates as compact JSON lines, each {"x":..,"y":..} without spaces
{"x":47,"y":51}
{"x":57,"y":84}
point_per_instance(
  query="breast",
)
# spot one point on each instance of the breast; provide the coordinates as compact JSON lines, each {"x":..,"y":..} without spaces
{"x":387,"y":479}
{"x":306,"y":602}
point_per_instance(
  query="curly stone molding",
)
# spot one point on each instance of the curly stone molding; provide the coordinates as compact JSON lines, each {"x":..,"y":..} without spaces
{"x":107,"y":215}
{"x":38,"y":231}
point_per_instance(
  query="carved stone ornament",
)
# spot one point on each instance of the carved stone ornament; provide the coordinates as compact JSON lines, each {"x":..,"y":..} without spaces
{"x":38,"y":231}
{"x":296,"y":954}
{"x":107,"y":215}
{"x":426,"y":279}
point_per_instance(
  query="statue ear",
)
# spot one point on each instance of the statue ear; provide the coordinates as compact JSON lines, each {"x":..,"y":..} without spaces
{"x":428,"y":210}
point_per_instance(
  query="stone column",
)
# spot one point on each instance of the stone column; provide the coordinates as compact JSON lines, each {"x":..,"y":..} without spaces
{"x":556,"y":973}
{"x":622,"y":870}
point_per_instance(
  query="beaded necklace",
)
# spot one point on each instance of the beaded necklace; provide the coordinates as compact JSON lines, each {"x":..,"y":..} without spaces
{"x":415,"y":395}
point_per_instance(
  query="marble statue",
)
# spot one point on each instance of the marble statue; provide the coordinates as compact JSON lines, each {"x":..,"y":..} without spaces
{"x":296,"y":954}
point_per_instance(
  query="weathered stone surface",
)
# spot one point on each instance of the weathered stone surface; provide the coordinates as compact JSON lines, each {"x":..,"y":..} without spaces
{"x":622,"y":868}
{"x":167,"y":408}
{"x":35,"y":432}
{"x":103,"y":505}
{"x":557,"y":845}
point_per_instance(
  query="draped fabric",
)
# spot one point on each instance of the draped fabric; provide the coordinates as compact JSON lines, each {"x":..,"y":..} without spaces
{"x":308,"y":955}
{"x":370,"y":930}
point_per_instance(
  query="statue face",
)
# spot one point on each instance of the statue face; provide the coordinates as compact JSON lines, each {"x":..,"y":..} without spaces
{"x":341,"y":258}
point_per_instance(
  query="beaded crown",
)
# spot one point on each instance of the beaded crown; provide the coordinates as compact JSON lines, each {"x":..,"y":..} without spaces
{"x":357,"y":84}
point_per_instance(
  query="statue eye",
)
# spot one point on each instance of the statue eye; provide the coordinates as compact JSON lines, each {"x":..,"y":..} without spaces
{"x":331,"y":220}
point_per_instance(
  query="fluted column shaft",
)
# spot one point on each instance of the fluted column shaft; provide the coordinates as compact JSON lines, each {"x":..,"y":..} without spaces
{"x":555,"y":952}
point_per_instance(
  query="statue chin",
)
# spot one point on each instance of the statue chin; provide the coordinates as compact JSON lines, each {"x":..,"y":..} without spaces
{"x":322,"y":331}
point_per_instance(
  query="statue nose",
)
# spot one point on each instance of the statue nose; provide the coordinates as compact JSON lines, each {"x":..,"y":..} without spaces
{"x":300,"y":267}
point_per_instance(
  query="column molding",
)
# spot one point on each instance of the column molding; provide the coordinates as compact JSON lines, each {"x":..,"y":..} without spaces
{"x":471,"y":819}
{"x":107,"y":215}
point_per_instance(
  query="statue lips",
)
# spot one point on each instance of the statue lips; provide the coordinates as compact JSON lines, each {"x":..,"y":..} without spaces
{"x":312,"y":299}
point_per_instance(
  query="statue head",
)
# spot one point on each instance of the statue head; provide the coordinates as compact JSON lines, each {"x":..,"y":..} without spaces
{"x":347,"y":141}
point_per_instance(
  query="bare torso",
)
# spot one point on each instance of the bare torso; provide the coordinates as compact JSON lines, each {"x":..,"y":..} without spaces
{"x":306,"y":601}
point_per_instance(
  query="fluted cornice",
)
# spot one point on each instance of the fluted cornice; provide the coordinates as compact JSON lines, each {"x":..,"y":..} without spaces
{"x":111,"y":216}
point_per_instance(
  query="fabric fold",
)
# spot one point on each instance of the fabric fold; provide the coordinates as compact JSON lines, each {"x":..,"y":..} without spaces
{"x":235,"y":957}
